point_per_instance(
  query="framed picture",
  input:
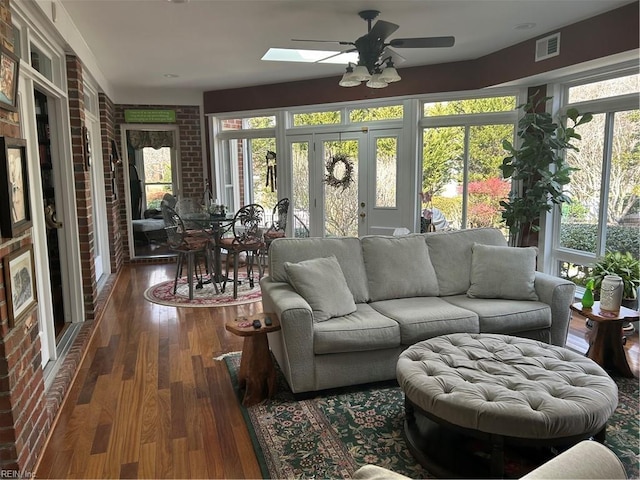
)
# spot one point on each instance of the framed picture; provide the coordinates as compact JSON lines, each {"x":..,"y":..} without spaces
{"x":9,"y":68}
{"x":20,"y":284}
{"x":15,"y":208}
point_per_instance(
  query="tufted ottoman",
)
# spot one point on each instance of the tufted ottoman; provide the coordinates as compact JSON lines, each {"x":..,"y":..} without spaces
{"x":468,"y":397}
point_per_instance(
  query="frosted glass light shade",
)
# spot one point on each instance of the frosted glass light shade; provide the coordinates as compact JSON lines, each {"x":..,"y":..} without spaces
{"x":376,"y":82}
{"x":348,"y":79}
{"x":390,"y":75}
{"x":361,"y":73}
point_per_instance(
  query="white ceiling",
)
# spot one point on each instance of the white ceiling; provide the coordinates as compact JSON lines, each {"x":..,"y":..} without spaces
{"x":217,"y":44}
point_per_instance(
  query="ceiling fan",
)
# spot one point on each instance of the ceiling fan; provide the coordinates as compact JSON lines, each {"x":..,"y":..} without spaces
{"x":376,"y":55}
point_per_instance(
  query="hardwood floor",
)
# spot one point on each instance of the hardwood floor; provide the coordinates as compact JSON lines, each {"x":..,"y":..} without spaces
{"x":151,"y":401}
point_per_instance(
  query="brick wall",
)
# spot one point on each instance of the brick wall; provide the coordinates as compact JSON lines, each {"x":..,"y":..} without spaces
{"x":112,"y":166}
{"x":82,"y":180}
{"x":191,"y":162}
{"x":24,"y":423}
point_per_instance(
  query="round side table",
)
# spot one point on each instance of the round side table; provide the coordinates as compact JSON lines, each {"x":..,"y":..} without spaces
{"x":257,"y":373}
{"x":605,"y":340}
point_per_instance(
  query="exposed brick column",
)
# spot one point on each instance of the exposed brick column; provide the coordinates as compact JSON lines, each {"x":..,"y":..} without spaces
{"x":82,"y":179}
{"x":24,"y":422}
{"x":112,"y":167}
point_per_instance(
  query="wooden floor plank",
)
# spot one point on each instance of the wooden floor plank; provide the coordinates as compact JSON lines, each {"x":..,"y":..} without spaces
{"x":150,"y":400}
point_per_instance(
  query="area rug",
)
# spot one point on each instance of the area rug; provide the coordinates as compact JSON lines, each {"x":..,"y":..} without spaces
{"x":206,"y":296}
{"x":333,"y":434}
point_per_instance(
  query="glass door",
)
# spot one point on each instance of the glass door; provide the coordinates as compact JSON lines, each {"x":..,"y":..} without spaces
{"x":345,"y":213}
{"x":152,"y":155}
{"x":346,"y":184}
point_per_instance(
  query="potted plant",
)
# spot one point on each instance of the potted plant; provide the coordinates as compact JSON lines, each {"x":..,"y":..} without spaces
{"x":539,"y":165}
{"x":626,"y":267}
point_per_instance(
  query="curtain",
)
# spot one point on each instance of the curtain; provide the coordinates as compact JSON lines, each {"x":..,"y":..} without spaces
{"x":138,"y":139}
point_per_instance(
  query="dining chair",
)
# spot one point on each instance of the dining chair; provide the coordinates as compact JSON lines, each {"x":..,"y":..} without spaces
{"x":246,"y":230}
{"x":191,"y":246}
{"x":276,"y":229}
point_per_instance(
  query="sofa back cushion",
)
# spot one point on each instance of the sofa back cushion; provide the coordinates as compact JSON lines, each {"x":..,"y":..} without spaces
{"x":346,"y":250}
{"x":398,"y":267}
{"x":450,"y":254}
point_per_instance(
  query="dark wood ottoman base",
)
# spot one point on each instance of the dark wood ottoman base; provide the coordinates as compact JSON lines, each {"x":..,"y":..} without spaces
{"x":450,"y":451}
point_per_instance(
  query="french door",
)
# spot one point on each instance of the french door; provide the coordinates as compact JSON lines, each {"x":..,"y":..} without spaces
{"x":346,"y":183}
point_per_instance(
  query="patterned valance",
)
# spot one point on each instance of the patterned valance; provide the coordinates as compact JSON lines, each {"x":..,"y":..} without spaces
{"x":139,"y":139}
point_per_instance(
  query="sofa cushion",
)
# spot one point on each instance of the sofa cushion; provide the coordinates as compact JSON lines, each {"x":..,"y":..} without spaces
{"x":421,"y":318}
{"x":347,"y":250}
{"x":364,"y":329}
{"x":398,"y":267}
{"x":503,"y":272}
{"x":450,"y":254}
{"x":505,"y":316}
{"x":321,"y":283}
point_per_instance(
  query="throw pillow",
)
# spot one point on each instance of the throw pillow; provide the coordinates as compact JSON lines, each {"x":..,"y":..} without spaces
{"x":321,"y":283}
{"x":398,"y":267}
{"x":503,"y":272}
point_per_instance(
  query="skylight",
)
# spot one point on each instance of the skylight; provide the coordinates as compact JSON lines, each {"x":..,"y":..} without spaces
{"x":309,"y":56}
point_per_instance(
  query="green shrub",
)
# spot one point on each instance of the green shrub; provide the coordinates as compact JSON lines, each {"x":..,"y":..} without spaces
{"x":620,"y":238}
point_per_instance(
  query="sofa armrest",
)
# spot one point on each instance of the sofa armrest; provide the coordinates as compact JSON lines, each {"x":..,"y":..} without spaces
{"x":559,"y":295}
{"x":292,"y":345}
{"x":587,"y":459}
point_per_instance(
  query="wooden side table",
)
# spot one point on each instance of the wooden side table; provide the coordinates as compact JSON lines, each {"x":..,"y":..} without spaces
{"x":257,"y":373}
{"x":605,"y":339}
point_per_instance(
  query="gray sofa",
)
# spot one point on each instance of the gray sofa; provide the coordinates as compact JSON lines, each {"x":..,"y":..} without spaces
{"x":349,"y":306}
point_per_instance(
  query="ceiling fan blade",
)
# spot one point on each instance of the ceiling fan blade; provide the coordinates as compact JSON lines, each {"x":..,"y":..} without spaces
{"x":382,"y":29}
{"x":396,"y":58}
{"x":341,"y":42}
{"x":335,"y":55}
{"x":424,"y":42}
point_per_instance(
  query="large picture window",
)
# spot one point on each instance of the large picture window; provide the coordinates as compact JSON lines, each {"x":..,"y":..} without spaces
{"x":461,"y":156}
{"x":604,"y":215}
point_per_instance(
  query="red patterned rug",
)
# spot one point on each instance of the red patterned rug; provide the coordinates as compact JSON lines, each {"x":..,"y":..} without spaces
{"x":206,"y":296}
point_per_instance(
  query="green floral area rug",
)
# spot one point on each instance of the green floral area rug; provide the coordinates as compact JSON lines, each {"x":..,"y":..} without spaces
{"x":335,"y":432}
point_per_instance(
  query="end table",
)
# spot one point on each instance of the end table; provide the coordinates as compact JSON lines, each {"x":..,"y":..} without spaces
{"x":605,"y":340}
{"x":257,"y":373}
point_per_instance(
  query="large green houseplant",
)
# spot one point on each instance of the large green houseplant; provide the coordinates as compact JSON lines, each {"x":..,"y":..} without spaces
{"x":539,"y":165}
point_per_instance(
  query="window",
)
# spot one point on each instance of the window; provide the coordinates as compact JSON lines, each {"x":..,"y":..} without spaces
{"x":392,"y":112}
{"x":242,"y":173}
{"x":604,"y":214}
{"x":461,"y":162}
{"x":157,"y":175}
{"x":316,"y":118}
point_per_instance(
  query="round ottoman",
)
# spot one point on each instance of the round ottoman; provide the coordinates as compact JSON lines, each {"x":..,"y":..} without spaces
{"x":502,"y":391}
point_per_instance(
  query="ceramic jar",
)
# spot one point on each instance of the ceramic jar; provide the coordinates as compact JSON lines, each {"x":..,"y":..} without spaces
{"x":611,"y":293}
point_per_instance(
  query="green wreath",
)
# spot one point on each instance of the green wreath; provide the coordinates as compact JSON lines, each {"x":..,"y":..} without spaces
{"x":347,"y":178}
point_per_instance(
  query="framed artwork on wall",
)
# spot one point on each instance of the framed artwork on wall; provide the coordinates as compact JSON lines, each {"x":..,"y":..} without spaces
{"x":9,"y":68}
{"x":20,"y":284}
{"x":15,"y":207}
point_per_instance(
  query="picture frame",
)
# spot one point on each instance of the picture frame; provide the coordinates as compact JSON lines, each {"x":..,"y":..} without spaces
{"x":20,"y":284}
{"x":15,"y":205}
{"x":9,"y":70}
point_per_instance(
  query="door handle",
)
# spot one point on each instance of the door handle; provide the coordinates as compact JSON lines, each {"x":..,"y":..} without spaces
{"x":50,"y":217}
{"x":362,"y":215}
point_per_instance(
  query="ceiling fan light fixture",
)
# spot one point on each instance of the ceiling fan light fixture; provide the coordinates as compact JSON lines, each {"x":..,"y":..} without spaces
{"x":348,"y":79}
{"x":361,"y":73}
{"x":390,"y":75}
{"x":376,"y":81}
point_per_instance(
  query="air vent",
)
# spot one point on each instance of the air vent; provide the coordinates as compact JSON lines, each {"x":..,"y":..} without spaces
{"x":548,"y":47}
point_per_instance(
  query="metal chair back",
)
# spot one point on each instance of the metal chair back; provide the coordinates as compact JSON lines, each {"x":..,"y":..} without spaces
{"x":248,"y":224}
{"x":174,"y":227}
